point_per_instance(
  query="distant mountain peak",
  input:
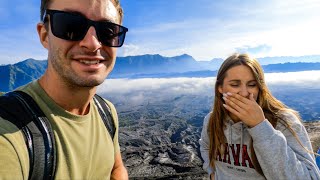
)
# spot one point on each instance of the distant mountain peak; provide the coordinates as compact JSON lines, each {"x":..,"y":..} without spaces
{"x":185,"y":55}
{"x":184,"y":58}
{"x":30,"y":60}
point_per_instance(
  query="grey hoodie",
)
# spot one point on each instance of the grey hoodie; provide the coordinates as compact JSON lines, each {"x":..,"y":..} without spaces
{"x":278,"y":152}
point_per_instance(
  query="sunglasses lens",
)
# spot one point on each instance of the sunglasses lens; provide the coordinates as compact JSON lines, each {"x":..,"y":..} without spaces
{"x":111,"y":34}
{"x":74,"y":27}
{"x":68,"y":26}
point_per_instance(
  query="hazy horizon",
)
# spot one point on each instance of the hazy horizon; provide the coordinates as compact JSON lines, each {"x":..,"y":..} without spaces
{"x":262,"y":63}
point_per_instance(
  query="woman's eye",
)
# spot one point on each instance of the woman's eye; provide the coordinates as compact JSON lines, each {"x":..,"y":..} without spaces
{"x":234,"y":85}
{"x":252,"y":85}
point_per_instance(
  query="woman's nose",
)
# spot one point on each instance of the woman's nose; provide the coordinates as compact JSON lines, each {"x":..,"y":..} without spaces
{"x":244,"y":92}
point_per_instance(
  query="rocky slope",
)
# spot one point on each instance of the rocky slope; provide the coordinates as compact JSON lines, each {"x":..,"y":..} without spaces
{"x":313,"y":129}
{"x":155,"y":149}
{"x":162,"y":149}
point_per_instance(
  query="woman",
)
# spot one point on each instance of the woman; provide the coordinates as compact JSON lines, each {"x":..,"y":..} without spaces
{"x":250,"y":134}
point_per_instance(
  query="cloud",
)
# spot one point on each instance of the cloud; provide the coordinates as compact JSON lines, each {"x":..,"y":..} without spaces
{"x":264,"y":48}
{"x":128,"y":50}
{"x":139,"y":88}
{"x":163,"y":85}
{"x":307,"y":79}
{"x":135,"y":92}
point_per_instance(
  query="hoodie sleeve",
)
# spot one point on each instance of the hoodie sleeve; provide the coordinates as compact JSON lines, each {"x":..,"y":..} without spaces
{"x":204,"y":146}
{"x":279,"y":153}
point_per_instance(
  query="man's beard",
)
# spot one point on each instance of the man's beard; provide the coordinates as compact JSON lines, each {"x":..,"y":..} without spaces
{"x":64,"y":70}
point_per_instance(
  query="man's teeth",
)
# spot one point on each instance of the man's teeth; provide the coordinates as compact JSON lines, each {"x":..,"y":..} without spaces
{"x":89,"y":62}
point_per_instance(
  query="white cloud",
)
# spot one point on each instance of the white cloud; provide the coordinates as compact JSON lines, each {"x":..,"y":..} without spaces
{"x":128,"y":50}
{"x":198,"y":86}
{"x":307,"y":79}
{"x":163,"y":85}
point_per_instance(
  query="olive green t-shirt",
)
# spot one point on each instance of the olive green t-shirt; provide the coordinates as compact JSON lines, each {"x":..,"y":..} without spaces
{"x":84,"y":147}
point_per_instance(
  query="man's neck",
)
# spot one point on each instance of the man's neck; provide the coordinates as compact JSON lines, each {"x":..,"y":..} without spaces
{"x":73,"y":99}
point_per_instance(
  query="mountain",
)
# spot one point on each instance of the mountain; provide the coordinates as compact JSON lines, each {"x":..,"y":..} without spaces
{"x":151,"y":66}
{"x":13,"y":76}
{"x":291,"y":67}
{"x":292,"y":59}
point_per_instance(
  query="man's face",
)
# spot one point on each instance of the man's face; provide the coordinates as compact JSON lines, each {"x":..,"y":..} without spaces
{"x":87,"y":62}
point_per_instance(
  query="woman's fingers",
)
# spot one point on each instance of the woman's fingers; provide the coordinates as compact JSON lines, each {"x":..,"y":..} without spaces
{"x":233,"y":111}
{"x":233,"y":103}
{"x":234,"y":99}
{"x":247,"y":109}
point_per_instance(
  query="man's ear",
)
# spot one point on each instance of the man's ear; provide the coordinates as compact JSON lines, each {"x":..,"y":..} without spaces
{"x":43,"y":35}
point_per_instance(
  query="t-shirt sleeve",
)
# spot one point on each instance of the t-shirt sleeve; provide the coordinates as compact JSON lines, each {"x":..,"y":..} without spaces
{"x":14,"y":158}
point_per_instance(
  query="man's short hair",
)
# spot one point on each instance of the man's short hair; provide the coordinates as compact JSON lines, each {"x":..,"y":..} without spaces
{"x":45,"y":4}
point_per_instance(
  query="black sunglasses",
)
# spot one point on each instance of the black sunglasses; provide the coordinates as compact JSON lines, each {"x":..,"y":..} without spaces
{"x":74,"y":27}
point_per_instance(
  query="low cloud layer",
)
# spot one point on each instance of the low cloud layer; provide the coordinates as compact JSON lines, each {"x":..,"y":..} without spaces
{"x":308,"y":79}
{"x":298,"y":90}
{"x":162,"y":85}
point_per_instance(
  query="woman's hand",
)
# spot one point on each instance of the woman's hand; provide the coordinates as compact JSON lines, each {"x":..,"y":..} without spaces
{"x":247,"y":110}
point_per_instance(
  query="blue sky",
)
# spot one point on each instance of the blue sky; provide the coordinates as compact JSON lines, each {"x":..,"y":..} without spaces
{"x":204,"y":29}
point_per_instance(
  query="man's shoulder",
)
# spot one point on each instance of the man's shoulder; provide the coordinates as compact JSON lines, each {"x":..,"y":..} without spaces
{"x":14,"y":106}
{"x":13,"y":150}
{"x":7,"y":127}
{"x":31,"y":88}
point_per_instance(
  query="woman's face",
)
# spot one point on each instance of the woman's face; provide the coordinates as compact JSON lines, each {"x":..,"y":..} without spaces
{"x":240,"y":80}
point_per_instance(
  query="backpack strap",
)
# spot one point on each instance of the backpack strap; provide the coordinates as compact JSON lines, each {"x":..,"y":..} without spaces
{"x":17,"y":107}
{"x":105,"y":113}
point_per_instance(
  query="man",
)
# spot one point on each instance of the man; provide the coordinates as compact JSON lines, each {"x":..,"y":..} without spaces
{"x":81,"y":37}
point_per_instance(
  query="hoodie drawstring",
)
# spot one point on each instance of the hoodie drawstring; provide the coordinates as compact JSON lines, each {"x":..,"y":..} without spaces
{"x":241,"y":140}
{"x":230,"y":134}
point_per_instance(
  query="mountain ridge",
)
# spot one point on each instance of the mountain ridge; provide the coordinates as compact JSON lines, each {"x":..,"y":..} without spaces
{"x":149,"y":66}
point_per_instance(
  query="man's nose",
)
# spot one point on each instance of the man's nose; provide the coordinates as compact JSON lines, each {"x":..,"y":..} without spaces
{"x":90,"y":40}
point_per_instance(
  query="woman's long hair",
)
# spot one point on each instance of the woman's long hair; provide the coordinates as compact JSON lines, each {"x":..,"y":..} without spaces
{"x":271,"y":107}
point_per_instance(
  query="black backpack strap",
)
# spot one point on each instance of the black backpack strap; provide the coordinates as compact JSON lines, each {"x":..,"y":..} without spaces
{"x":20,"y":109}
{"x":105,"y":113}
